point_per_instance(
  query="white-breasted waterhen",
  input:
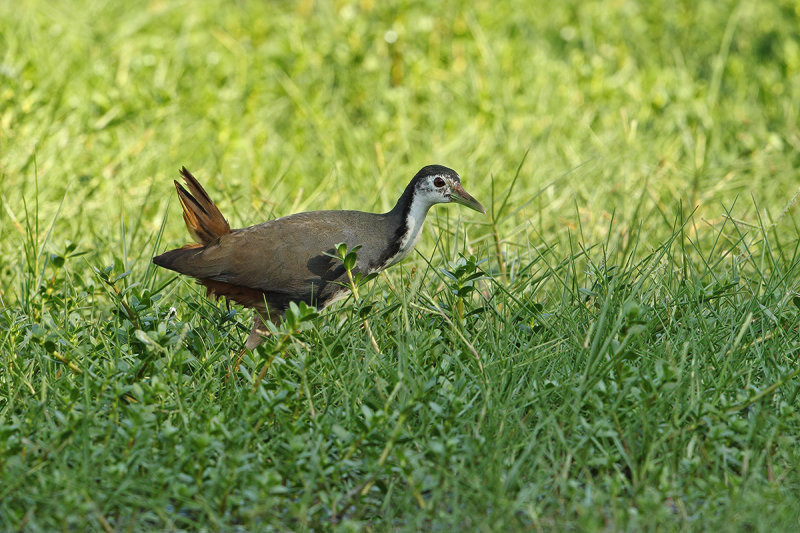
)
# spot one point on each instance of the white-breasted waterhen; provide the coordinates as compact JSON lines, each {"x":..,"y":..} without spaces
{"x":269,"y":265}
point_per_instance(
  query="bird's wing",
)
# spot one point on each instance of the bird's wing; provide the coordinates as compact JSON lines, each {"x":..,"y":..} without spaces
{"x":288,"y":255}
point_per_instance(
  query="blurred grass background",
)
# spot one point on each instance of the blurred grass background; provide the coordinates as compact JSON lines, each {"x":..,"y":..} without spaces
{"x":335,"y":105}
{"x":632,"y":114}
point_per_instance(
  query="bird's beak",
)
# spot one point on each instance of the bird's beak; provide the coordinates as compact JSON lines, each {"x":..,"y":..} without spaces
{"x":460,"y":196}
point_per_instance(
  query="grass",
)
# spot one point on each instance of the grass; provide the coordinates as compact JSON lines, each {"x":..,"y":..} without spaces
{"x":613,"y":348}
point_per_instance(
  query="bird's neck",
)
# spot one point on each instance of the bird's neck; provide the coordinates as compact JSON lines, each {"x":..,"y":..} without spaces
{"x":409,"y":216}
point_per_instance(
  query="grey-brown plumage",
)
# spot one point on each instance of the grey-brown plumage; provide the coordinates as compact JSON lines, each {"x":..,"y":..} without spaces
{"x":268,"y":265}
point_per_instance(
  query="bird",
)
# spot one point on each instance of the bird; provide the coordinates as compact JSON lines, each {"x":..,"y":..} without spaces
{"x":291,"y":259}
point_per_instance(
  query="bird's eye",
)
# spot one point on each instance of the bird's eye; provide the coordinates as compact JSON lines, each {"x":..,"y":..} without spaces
{"x":438,"y":182}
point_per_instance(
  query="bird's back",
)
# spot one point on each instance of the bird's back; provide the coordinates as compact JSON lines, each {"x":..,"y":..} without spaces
{"x":287,"y":258}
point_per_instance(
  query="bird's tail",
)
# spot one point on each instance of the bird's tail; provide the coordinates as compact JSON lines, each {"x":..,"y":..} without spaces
{"x":203,"y":220}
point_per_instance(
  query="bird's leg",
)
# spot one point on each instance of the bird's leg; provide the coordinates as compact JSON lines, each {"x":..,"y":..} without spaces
{"x":256,"y":336}
{"x":258,"y":332}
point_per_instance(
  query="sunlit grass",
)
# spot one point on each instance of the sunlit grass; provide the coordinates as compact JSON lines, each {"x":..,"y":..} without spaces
{"x":613,"y":347}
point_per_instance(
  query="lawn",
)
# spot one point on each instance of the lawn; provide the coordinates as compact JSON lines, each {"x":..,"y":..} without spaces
{"x":613,"y":347}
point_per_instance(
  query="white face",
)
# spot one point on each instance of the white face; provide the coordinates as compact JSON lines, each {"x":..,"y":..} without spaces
{"x":444,"y":188}
{"x":435,"y":189}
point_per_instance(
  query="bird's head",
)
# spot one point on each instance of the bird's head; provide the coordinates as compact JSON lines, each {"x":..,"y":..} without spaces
{"x":436,"y":184}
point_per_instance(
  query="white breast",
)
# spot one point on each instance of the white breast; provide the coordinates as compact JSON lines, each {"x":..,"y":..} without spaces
{"x":416,"y":219}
